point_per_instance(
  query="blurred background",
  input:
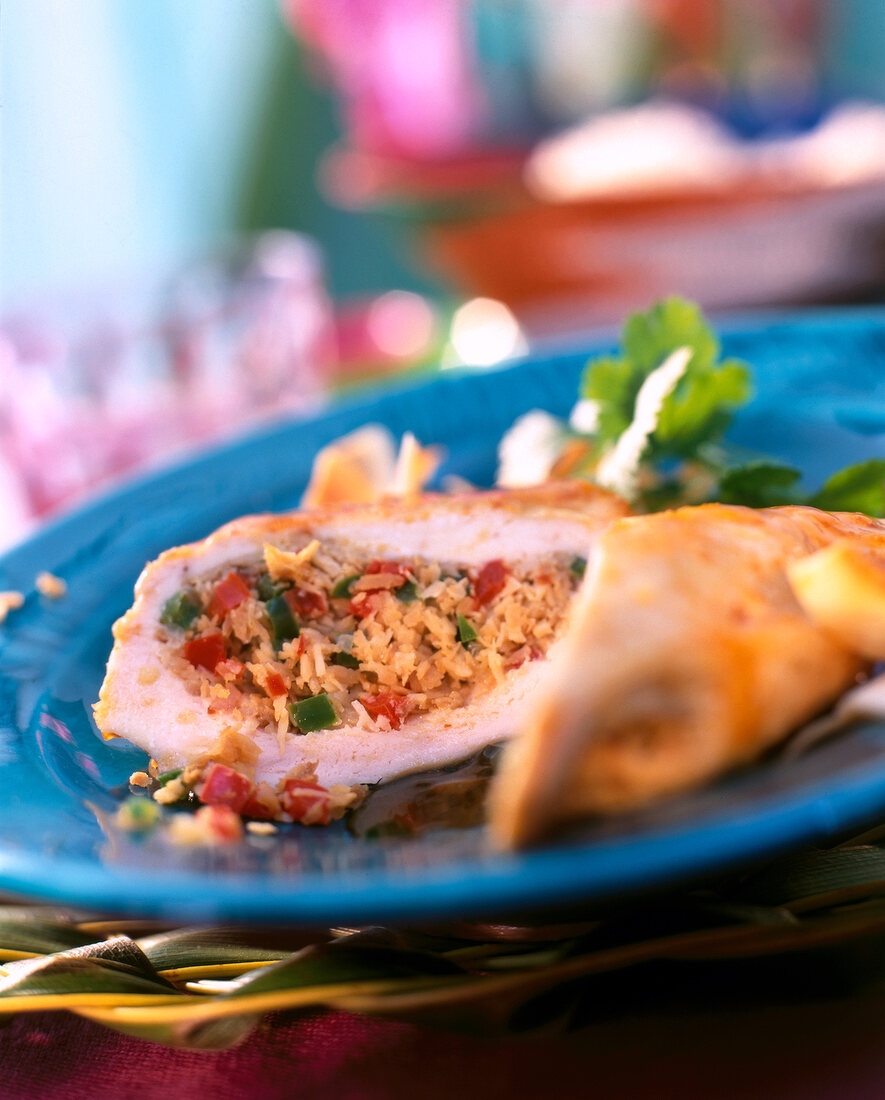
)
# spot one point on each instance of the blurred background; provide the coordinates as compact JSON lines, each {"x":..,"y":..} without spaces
{"x":219,"y":212}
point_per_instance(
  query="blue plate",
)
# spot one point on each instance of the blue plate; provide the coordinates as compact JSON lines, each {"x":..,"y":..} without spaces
{"x":820,"y":403}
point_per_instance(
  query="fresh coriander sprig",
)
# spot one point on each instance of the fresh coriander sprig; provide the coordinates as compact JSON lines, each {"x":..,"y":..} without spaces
{"x":684,"y":459}
{"x":701,"y":406}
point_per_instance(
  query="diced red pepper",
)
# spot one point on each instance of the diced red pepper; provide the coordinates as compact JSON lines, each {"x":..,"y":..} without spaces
{"x":306,"y":802}
{"x":489,"y":582}
{"x":302,"y":645}
{"x":396,"y":567}
{"x":262,"y":803}
{"x":389,"y":705}
{"x":305,"y":603}
{"x":276,"y":685}
{"x":364,"y":604}
{"x":224,"y":824}
{"x":530,"y":654}
{"x":205,"y":652}
{"x":222,"y":786}
{"x":228,"y":594}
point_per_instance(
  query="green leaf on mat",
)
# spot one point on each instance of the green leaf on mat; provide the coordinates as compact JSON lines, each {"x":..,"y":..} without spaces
{"x":858,"y":488}
{"x":193,"y":947}
{"x":759,"y":484}
{"x":115,"y":966}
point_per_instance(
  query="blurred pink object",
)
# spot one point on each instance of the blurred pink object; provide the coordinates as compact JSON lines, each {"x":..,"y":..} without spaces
{"x":401,"y":68}
{"x":94,"y":387}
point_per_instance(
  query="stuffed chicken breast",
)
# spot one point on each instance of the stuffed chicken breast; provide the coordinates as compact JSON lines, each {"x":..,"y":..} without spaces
{"x":688,"y":653}
{"x":351,"y":645}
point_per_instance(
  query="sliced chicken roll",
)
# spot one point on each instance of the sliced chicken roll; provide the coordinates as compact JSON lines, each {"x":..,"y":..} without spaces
{"x":354,"y":645}
{"x":688,"y":653}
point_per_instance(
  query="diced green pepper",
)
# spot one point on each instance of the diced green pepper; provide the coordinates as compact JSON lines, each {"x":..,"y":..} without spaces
{"x":138,"y":814}
{"x":466,"y":631}
{"x":167,"y":777}
{"x":180,"y":610}
{"x":315,"y":713}
{"x":408,"y":592}
{"x":267,"y":589}
{"x":578,"y":567}
{"x":346,"y":660}
{"x":341,"y":591}
{"x":282,"y":621}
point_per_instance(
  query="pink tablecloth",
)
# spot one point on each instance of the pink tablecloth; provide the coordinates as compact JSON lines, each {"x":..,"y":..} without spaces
{"x":822,"y":1050}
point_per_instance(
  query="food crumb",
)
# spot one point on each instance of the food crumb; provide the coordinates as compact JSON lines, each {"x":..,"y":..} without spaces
{"x":191,"y":775}
{"x":170,"y":792}
{"x":49,"y":585}
{"x":137,"y":815}
{"x":261,"y":828}
{"x":10,"y":601}
{"x":210,"y":825}
{"x":185,"y":831}
{"x":140,"y":779}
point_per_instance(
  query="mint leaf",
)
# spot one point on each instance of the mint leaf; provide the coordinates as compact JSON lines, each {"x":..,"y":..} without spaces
{"x":858,"y":488}
{"x":762,"y":483}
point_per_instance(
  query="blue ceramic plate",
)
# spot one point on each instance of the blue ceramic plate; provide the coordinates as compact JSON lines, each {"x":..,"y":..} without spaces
{"x":820,"y":403}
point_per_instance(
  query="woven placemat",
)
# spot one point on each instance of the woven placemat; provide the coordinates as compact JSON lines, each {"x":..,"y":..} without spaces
{"x":812,"y":917}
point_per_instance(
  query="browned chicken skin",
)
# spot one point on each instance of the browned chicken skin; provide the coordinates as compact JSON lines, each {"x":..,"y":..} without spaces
{"x":687,"y":654}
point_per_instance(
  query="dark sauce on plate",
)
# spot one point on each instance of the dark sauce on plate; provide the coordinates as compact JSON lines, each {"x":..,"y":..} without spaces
{"x":452,"y":797}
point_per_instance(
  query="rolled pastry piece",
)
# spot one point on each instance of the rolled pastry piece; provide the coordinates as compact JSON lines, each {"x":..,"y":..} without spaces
{"x":353,"y":644}
{"x":688,"y":653}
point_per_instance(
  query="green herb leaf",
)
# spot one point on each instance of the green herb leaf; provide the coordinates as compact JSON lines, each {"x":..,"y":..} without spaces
{"x":858,"y":488}
{"x":759,"y":484}
{"x":648,"y":338}
{"x":685,"y":460}
{"x":692,"y":417}
{"x":701,"y":406}
{"x":613,"y":384}
{"x":578,"y":566}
